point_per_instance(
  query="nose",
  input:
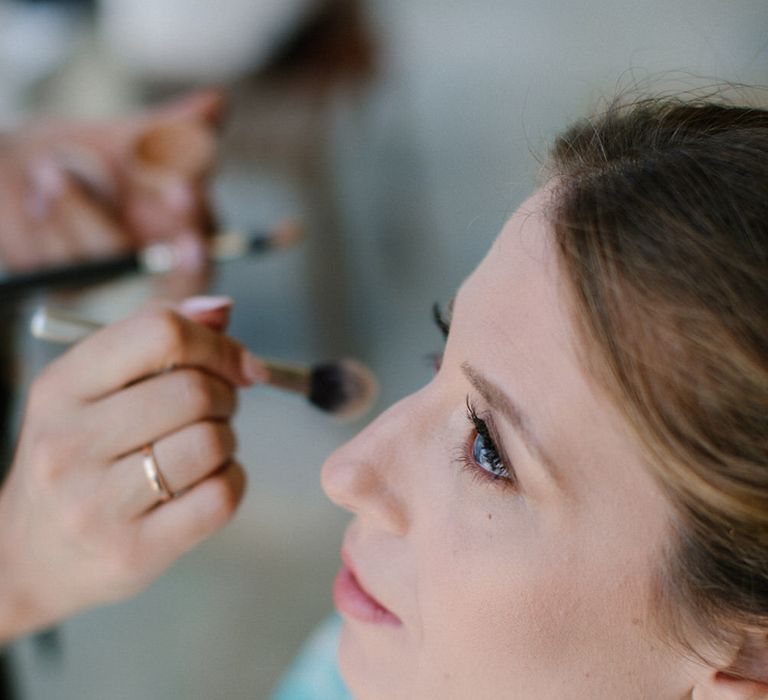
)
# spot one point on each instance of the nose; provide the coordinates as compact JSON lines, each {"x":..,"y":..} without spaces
{"x":369,"y":475}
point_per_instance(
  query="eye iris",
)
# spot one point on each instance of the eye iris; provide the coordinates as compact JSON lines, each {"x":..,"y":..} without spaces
{"x":484,"y":454}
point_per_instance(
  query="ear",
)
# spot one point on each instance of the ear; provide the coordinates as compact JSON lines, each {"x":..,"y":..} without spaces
{"x":745,"y":678}
{"x":721,"y":686}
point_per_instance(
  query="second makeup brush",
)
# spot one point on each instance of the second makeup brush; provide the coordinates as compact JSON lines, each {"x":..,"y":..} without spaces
{"x":154,"y":259}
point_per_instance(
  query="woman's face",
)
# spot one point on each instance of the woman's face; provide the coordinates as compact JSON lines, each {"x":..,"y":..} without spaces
{"x":510,"y":545}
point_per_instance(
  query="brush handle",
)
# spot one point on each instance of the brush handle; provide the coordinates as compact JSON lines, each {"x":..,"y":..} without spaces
{"x":81,"y":274}
{"x":56,"y":326}
{"x":290,"y":377}
{"x":154,"y":259}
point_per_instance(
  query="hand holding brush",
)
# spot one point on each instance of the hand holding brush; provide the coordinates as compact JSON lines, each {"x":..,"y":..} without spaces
{"x":125,"y":460}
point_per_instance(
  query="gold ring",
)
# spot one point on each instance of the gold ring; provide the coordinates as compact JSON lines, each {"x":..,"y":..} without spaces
{"x":154,"y":475}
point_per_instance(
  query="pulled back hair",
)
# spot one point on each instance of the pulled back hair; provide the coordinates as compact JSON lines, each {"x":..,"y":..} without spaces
{"x":660,"y":210}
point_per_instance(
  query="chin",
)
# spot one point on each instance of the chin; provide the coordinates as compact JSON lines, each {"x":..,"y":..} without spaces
{"x":369,"y":665}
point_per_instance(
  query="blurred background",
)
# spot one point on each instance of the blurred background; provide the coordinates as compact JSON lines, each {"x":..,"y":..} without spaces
{"x":402,"y":133}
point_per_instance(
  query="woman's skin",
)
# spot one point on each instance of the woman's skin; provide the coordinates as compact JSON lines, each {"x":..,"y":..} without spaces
{"x":533,"y":585}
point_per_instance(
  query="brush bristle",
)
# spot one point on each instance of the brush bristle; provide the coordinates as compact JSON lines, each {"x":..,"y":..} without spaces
{"x":346,"y":388}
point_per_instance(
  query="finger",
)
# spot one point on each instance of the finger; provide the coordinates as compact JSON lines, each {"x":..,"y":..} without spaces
{"x":172,"y":147}
{"x":150,"y":409}
{"x":45,"y":204}
{"x":145,"y":344}
{"x":184,"y":458}
{"x":211,"y":311}
{"x":206,"y":105}
{"x":66,"y":219}
{"x":192,"y":254}
{"x":54,"y":246}
{"x":166,"y":532}
{"x":88,"y":225}
{"x":148,"y":218}
{"x":19,"y":248}
{"x":91,"y":168}
{"x":164,"y":198}
{"x":182,"y":283}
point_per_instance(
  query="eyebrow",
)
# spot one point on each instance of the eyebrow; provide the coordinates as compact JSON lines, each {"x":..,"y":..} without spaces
{"x":498,"y":400}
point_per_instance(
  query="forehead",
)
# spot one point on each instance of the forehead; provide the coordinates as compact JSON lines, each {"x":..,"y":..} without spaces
{"x":513,"y":320}
{"x":517,"y":300}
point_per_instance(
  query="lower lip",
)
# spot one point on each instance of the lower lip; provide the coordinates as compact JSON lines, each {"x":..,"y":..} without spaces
{"x":350,"y":599}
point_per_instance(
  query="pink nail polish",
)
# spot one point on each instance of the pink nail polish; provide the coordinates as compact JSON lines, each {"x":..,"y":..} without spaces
{"x":179,"y":197}
{"x":47,"y":177}
{"x":205,"y":304}
{"x":47,"y":183}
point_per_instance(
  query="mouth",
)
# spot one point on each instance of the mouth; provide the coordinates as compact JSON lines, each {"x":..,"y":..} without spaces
{"x":353,"y":600}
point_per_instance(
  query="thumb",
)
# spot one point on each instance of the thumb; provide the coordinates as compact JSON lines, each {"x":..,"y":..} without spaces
{"x":203,"y":108}
{"x":204,"y":105}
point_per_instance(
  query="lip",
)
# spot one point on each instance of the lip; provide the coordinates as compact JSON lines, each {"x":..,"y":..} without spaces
{"x":353,"y":600}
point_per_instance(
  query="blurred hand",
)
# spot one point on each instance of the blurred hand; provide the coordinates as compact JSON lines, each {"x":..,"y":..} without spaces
{"x":77,"y":191}
{"x":79,"y":522}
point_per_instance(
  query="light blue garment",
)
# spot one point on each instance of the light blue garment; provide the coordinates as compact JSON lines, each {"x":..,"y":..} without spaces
{"x":314,"y":674}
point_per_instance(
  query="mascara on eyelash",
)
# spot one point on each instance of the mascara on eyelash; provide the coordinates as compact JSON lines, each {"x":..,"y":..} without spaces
{"x":440,"y":320}
{"x":482,"y":430}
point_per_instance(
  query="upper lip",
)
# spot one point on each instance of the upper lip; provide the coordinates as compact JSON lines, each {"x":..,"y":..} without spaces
{"x":349,"y":562}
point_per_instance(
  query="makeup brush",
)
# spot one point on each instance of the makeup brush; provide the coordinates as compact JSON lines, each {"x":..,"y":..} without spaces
{"x":157,"y":258}
{"x":345,"y":389}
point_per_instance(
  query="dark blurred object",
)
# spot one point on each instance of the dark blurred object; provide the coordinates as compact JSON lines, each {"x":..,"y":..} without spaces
{"x":7,"y":685}
{"x":8,"y":318}
{"x":335,"y":43}
{"x":79,"y":4}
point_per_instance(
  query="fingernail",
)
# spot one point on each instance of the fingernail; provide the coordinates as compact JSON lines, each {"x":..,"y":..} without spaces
{"x":205,"y":304}
{"x":253,"y":369}
{"x":48,"y":182}
{"x":179,"y":197}
{"x":191,"y":253}
{"x":47,"y":177}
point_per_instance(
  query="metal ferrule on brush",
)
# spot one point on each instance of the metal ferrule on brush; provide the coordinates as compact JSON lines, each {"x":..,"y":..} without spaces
{"x":290,"y":377}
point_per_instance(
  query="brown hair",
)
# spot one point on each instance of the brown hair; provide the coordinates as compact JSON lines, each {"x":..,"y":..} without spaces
{"x":661,"y":215}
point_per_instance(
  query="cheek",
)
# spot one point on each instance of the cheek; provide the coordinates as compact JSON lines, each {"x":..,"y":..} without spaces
{"x":510,"y":608}
{"x":492,"y":606}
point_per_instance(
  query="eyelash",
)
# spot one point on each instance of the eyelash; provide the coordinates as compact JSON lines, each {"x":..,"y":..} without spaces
{"x":439,"y":317}
{"x":435,"y":359}
{"x":480,"y":428}
{"x":505,"y":478}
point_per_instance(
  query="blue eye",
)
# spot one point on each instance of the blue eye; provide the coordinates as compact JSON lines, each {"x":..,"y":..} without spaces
{"x":485,"y":455}
{"x":482,"y":456}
